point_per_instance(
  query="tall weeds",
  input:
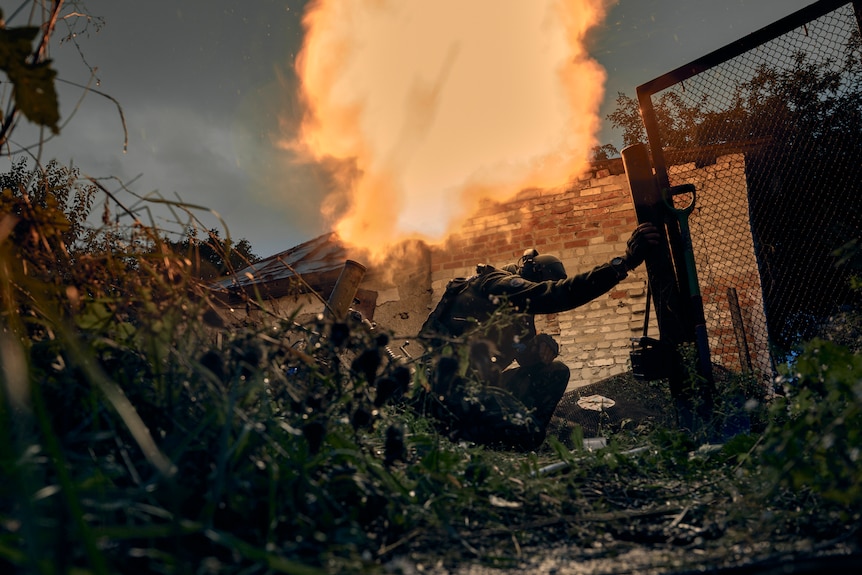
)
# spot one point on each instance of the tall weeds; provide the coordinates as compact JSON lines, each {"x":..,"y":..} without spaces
{"x":140,"y":433}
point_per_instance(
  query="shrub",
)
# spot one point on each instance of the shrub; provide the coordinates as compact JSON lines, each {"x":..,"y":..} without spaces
{"x":138,"y":432}
{"x":814,"y":441}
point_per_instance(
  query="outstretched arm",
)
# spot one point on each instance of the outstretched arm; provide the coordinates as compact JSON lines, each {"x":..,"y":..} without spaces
{"x":563,"y":295}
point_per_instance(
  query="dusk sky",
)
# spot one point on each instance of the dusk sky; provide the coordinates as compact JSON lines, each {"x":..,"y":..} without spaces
{"x":208,"y":89}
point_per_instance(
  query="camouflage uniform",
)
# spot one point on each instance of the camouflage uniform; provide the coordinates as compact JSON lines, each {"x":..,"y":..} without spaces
{"x":492,"y":313}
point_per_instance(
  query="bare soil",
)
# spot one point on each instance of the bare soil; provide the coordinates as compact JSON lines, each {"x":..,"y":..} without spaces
{"x":649,"y":542}
{"x":635,"y":403}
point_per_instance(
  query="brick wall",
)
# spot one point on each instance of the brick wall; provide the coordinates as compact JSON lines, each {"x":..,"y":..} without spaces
{"x":585,"y":224}
{"x":725,"y":258}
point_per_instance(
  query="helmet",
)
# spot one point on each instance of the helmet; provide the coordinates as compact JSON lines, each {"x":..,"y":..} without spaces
{"x":538,"y":268}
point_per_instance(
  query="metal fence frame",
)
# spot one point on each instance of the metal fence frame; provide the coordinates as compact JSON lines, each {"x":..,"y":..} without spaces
{"x":779,"y":28}
{"x":681,"y":326}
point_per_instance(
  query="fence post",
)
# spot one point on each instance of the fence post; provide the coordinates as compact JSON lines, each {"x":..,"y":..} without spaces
{"x":672,"y":315}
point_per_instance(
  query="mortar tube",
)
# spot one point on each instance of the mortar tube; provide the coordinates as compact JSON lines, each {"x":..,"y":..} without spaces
{"x":671,"y":313}
{"x":344,"y":291}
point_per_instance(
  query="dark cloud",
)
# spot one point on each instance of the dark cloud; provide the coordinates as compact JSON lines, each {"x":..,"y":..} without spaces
{"x":208,"y":93}
{"x":201,"y":85}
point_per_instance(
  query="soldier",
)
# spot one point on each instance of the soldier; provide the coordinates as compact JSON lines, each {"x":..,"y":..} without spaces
{"x":492,"y":312}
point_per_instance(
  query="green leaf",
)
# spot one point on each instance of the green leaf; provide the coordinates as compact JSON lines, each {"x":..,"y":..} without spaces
{"x":95,"y":316}
{"x":36,"y":96}
{"x":16,"y":45}
{"x":33,"y":84}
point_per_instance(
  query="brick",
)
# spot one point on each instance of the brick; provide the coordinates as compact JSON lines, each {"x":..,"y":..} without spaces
{"x":588,"y":221}
{"x":623,"y":208}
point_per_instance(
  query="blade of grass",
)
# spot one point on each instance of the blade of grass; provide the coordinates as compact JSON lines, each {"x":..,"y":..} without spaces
{"x":76,"y":511}
{"x":272,"y":561}
{"x":149,"y":531}
{"x":121,"y":404}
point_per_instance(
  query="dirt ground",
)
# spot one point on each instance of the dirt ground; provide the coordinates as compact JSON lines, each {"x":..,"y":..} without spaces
{"x":644,"y":560}
{"x":625,"y":402}
{"x":631,"y":403}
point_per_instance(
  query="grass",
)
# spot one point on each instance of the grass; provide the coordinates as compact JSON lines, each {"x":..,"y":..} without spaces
{"x":135,"y":438}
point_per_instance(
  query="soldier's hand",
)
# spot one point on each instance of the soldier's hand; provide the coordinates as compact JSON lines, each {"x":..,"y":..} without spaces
{"x":548,"y":348}
{"x":645,"y":237}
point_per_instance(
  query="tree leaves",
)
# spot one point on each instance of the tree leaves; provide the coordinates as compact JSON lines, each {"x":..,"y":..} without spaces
{"x":33,"y":82}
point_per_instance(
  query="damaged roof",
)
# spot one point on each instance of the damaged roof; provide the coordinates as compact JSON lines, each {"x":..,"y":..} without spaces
{"x":317,"y":262}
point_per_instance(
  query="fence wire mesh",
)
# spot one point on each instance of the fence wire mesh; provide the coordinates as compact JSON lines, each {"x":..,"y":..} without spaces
{"x":771,"y":136}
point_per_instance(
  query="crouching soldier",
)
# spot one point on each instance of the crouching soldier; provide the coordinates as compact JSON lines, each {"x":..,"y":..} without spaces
{"x":509,"y":392}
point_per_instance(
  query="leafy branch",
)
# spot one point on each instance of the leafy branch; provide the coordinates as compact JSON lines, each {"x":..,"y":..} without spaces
{"x":33,"y":91}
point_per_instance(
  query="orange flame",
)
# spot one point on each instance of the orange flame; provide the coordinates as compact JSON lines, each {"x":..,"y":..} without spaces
{"x":430,"y":106}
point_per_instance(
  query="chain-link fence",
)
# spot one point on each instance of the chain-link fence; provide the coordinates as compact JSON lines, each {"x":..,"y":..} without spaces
{"x":769,"y":130}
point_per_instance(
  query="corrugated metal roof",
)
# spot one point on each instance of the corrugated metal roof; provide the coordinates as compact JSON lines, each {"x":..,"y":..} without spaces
{"x":322,"y":254}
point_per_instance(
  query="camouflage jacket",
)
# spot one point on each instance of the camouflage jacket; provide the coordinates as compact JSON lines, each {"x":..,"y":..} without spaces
{"x":499,"y":306}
